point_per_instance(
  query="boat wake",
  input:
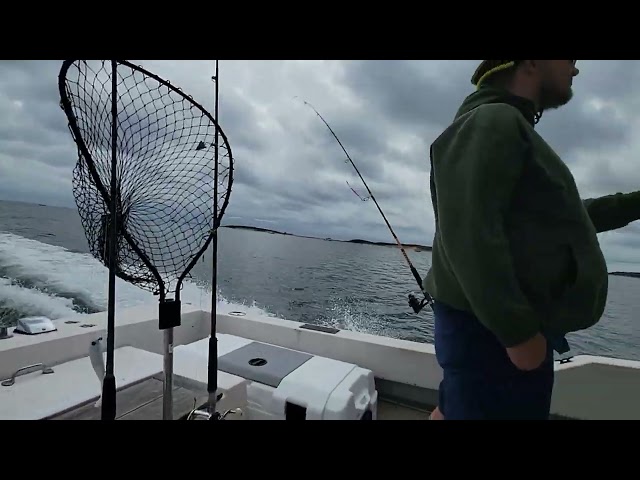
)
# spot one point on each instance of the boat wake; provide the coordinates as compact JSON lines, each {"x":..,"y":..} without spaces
{"x":42,"y":279}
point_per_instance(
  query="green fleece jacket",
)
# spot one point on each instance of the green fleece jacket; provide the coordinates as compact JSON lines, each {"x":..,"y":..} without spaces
{"x":515,"y":244}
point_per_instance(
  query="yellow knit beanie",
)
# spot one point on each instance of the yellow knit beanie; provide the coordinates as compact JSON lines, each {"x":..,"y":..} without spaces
{"x":489,"y":67}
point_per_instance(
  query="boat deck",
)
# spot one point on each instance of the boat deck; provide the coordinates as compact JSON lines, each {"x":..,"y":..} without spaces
{"x":143,"y":401}
{"x":393,"y":411}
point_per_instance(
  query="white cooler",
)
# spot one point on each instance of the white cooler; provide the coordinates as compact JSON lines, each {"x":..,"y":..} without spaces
{"x":285,"y":384}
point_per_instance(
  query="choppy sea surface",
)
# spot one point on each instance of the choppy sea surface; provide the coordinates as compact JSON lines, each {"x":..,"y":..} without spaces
{"x":45,"y":269}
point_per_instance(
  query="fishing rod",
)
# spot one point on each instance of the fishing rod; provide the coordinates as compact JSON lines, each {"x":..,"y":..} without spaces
{"x":415,"y":304}
{"x":212,"y":367}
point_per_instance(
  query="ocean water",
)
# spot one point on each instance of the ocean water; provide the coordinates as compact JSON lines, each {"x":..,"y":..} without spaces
{"x":45,"y":269}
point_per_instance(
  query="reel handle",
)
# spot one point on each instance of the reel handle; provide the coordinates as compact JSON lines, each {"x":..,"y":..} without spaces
{"x":415,"y":304}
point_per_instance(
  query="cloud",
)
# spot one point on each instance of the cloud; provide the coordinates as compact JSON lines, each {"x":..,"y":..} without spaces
{"x":290,"y":173}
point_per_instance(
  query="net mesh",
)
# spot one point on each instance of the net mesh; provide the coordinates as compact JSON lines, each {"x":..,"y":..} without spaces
{"x":165,"y":170}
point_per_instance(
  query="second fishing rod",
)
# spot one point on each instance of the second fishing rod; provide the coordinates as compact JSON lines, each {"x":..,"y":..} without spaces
{"x":416,"y":305}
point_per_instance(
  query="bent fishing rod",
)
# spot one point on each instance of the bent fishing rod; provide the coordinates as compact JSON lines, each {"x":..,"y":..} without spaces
{"x":415,"y":304}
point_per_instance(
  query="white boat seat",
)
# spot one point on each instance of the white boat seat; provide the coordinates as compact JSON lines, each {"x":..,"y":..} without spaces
{"x":282,"y":383}
{"x":190,"y":371}
{"x":36,"y":396}
{"x":226,"y":343}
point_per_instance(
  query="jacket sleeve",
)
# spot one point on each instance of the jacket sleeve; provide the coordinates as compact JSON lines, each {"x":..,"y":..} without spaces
{"x":613,"y":211}
{"x":483,"y":165}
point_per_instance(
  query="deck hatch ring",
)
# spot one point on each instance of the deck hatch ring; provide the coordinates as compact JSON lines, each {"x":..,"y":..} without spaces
{"x":257,"y":362}
{"x":237,"y":314}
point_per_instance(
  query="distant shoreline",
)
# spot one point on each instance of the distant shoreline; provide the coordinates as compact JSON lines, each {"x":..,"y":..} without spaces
{"x":414,"y":246}
{"x":626,"y":274}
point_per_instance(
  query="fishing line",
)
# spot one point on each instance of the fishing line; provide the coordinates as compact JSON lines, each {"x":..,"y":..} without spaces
{"x":415,"y":304}
{"x":364,"y":199}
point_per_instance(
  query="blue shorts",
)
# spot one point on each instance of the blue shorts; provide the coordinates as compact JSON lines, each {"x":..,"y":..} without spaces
{"x":480,"y":381}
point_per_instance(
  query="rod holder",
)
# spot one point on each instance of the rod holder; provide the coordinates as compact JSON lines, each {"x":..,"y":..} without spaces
{"x":4,"y":333}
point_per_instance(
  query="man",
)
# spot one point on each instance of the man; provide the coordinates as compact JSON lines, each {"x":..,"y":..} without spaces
{"x":516,"y":262}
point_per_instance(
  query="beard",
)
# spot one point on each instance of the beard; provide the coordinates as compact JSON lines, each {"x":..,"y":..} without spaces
{"x":553,"y":97}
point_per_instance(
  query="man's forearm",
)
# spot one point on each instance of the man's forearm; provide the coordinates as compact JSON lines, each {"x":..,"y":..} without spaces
{"x":613,"y":211}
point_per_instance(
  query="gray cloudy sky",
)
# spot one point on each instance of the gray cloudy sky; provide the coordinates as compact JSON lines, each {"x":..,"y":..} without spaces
{"x":290,"y":173}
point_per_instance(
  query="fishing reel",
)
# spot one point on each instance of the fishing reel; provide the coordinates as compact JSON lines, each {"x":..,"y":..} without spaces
{"x":416,"y":304}
{"x":206,"y":415}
